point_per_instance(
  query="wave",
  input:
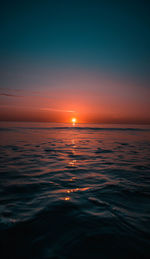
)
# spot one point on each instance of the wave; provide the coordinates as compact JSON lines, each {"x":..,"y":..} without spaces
{"x":65,"y":194}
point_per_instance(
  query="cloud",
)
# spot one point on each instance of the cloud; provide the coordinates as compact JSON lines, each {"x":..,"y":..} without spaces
{"x":56,"y":110}
{"x":10,"y":95}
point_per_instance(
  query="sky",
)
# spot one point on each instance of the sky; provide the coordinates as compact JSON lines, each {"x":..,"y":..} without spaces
{"x":85,"y":59}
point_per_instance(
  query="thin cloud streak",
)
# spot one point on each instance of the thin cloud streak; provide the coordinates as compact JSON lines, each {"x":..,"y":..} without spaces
{"x":56,"y":110}
{"x":10,"y":95}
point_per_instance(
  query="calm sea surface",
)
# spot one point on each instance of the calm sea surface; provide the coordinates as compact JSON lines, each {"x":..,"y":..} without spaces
{"x":74,"y":192}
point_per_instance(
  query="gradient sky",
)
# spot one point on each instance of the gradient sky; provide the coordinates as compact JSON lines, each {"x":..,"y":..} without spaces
{"x":89,"y":59}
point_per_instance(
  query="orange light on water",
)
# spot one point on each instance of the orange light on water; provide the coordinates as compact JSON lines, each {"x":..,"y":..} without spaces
{"x":67,"y":199}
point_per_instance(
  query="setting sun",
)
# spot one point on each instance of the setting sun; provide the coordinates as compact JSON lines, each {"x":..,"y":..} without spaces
{"x":74,"y":120}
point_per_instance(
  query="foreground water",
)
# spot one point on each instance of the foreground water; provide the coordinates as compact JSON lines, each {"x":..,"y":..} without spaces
{"x":81,"y":192}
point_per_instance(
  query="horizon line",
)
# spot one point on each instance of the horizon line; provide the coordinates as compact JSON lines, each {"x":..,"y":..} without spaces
{"x":29,"y":121}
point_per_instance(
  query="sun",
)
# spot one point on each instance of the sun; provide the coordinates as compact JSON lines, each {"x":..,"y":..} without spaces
{"x":74,"y":120}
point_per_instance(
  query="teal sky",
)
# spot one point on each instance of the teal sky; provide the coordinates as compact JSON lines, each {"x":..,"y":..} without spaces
{"x":44,"y":43}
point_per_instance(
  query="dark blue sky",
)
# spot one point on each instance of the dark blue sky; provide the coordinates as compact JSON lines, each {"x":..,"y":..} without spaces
{"x":109,"y":37}
{"x":103,"y":33}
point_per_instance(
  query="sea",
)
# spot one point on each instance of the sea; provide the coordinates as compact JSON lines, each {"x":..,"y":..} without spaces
{"x":69,"y":192}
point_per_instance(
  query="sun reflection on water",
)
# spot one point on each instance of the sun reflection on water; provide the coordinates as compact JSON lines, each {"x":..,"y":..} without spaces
{"x":67,"y":199}
{"x":73,"y":163}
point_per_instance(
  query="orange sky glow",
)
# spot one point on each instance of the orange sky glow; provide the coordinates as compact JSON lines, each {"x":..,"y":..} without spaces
{"x":90,"y":98}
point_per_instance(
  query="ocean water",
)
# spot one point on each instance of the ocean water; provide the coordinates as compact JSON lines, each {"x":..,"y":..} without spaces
{"x":74,"y":192}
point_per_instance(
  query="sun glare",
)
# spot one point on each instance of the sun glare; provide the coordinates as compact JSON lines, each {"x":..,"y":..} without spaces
{"x":74,"y":120}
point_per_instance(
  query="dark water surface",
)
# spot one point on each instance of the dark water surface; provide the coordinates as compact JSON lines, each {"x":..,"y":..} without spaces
{"x":80,"y":192}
